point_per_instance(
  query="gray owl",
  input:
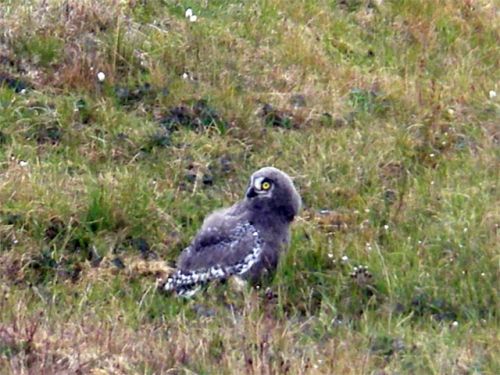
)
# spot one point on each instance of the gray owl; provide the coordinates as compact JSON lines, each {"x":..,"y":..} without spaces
{"x":245,"y":240}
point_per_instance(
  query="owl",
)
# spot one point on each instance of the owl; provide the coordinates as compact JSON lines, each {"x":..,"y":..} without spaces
{"x":244,"y":240}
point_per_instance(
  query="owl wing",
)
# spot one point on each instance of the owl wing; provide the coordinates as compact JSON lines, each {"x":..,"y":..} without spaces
{"x":216,"y":254}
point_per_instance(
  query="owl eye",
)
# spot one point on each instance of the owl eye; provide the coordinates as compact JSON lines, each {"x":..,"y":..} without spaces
{"x":266,"y":185}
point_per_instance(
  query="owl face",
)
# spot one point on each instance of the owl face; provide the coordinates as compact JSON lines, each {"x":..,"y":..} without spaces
{"x":273,"y":189}
{"x":260,"y":186}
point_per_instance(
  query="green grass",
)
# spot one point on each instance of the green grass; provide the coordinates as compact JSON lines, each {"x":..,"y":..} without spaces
{"x":394,"y":150}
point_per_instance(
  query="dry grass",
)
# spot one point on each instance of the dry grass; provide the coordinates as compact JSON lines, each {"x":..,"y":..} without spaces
{"x":247,"y":341}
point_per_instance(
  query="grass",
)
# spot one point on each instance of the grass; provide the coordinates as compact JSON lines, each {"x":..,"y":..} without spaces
{"x":380,"y":110}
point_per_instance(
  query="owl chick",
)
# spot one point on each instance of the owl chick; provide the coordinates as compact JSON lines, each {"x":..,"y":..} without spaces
{"x":245,"y":240}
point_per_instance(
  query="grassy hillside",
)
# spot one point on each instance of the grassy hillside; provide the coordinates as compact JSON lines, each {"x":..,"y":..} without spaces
{"x":384,"y":112}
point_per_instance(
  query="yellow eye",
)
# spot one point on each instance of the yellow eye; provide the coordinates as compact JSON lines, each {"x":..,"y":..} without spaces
{"x":266,"y":185}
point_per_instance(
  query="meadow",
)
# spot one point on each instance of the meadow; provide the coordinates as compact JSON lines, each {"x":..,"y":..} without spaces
{"x":123,"y":123}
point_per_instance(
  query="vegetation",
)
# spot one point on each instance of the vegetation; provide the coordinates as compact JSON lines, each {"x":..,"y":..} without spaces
{"x":384,"y":112}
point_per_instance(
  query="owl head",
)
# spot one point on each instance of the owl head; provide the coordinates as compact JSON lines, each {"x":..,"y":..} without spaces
{"x":272,"y":190}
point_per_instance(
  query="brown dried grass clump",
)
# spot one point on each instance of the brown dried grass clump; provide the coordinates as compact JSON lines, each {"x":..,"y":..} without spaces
{"x":89,"y":35}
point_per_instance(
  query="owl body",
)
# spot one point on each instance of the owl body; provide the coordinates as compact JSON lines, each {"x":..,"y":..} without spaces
{"x":245,"y":239}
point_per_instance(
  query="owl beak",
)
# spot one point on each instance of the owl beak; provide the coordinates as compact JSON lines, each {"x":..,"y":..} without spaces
{"x":251,"y":192}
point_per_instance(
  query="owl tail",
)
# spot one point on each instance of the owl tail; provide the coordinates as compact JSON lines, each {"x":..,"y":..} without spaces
{"x":187,"y":283}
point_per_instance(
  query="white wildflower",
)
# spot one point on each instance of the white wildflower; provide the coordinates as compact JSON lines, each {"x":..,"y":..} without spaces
{"x":493,"y":94}
{"x":193,"y":18}
{"x":188,"y":13}
{"x":23,"y":163}
{"x":101,"y":76}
